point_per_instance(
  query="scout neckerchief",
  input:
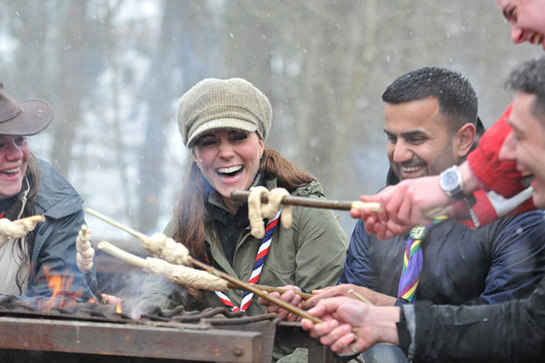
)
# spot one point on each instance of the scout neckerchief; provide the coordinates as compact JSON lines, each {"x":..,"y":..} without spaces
{"x":413,"y":261}
{"x":258,"y":266}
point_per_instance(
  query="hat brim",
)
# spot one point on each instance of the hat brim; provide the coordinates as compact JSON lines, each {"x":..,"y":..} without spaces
{"x":221,"y":123}
{"x":36,"y":116}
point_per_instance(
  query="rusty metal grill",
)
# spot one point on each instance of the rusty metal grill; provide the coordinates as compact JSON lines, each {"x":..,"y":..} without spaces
{"x":86,"y":332}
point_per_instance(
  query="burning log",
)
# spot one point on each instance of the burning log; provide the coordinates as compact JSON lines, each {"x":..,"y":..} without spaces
{"x":17,"y":228}
{"x":84,"y":258}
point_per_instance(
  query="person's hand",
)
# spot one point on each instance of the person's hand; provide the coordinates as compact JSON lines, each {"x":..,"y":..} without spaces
{"x":290,"y":297}
{"x":411,"y":202}
{"x":350,"y":326}
{"x":373,"y":297}
{"x":111,"y":299}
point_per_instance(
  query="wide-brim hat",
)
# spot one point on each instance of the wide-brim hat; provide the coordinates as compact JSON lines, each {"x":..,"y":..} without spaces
{"x":24,"y":118}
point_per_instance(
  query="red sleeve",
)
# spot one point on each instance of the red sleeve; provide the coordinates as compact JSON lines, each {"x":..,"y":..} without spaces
{"x":500,"y":176}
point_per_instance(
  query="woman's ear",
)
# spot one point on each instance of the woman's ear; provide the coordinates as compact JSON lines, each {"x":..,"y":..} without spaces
{"x":197,"y":160}
{"x":464,"y":139}
{"x":260,"y":149}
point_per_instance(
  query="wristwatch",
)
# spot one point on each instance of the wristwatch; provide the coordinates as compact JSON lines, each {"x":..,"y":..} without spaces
{"x":451,"y":182}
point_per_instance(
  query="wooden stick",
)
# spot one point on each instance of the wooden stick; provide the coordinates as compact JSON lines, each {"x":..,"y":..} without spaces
{"x":137,"y":261}
{"x":116,"y":224}
{"x":311,"y":202}
{"x":121,"y":254}
{"x":140,"y":262}
{"x":304,"y":295}
{"x":359,"y":297}
{"x":253,"y":288}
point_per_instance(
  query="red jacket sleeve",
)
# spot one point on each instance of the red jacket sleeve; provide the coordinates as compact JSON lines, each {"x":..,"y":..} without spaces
{"x":499,"y":176}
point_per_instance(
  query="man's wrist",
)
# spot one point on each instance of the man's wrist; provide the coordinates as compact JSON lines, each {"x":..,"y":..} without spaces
{"x":469,"y":180}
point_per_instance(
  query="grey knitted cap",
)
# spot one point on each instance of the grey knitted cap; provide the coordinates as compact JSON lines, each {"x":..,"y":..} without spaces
{"x":223,"y":104}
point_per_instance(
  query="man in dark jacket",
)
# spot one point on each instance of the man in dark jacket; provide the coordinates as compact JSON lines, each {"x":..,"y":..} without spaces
{"x":511,"y":331}
{"x":431,"y":121}
{"x":431,"y":118}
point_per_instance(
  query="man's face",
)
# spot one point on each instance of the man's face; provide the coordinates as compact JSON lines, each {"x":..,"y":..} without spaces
{"x":526,"y":19}
{"x":526,"y":144}
{"x":419,"y":141}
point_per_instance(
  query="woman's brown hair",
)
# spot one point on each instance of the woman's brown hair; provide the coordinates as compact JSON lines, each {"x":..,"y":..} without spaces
{"x":190,"y":214}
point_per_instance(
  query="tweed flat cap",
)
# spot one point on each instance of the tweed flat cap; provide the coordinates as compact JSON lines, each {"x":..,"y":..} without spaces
{"x":223,"y":104}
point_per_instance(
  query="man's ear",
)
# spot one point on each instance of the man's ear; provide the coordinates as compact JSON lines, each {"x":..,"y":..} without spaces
{"x":464,"y":139}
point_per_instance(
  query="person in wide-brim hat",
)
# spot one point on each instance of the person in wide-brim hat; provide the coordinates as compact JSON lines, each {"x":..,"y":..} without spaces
{"x":30,"y":186}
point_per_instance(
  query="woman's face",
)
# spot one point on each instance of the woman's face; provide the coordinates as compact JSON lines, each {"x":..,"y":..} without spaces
{"x":13,"y":163}
{"x":229,"y":160}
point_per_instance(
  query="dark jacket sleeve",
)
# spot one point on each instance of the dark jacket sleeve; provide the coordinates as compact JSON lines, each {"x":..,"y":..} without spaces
{"x":518,"y":258}
{"x":358,"y":268}
{"x":511,"y":331}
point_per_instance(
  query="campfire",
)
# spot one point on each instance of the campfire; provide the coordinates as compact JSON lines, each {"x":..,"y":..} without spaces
{"x":60,"y":327}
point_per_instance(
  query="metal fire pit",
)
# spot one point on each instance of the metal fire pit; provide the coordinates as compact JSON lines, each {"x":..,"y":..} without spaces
{"x":92,"y":332}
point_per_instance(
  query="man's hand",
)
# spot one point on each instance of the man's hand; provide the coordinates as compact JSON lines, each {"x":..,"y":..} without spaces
{"x":290,"y":297}
{"x":350,"y":326}
{"x":411,"y":202}
{"x":373,"y":297}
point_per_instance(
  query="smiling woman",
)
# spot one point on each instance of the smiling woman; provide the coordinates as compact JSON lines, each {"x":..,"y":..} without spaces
{"x":29,"y":186}
{"x":225,"y":124}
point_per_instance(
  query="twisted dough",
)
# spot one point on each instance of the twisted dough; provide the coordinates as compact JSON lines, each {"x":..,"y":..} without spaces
{"x":168,"y":249}
{"x":18,"y":228}
{"x":86,"y":252}
{"x":257,"y":210}
{"x":185,"y":275}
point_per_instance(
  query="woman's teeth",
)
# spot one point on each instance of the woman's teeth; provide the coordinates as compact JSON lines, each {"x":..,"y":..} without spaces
{"x":11,"y":171}
{"x":231,"y":170}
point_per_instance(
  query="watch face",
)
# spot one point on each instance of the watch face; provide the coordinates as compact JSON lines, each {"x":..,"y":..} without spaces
{"x":450,"y":180}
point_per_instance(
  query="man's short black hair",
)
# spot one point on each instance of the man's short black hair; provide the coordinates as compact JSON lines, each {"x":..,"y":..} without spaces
{"x":457,"y":98}
{"x":529,"y":77}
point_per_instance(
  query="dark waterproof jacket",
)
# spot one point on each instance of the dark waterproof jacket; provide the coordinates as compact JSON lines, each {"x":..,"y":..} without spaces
{"x":55,"y":239}
{"x":513,"y":331}
{"x":501,"y":261}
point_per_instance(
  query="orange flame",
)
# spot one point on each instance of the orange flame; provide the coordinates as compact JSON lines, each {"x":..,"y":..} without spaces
{"x":118,"y":308}
{"x":60,"y":287}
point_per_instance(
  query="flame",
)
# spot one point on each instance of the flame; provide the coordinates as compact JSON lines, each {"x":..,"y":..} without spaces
{"x":118,"y":308}
{"x":61,"y":296}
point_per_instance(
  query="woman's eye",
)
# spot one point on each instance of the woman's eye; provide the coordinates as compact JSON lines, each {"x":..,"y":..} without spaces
{"x":238,"y":136}
{"x":207,"y":141}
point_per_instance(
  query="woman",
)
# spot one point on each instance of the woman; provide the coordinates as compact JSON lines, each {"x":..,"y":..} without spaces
{"x":29,"y":186}
{"x":225,"y":124}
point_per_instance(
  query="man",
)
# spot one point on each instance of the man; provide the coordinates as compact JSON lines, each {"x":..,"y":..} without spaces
{"x":483,"y":170}
{"x":514,"y":330}
{"x":430,"y":124}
